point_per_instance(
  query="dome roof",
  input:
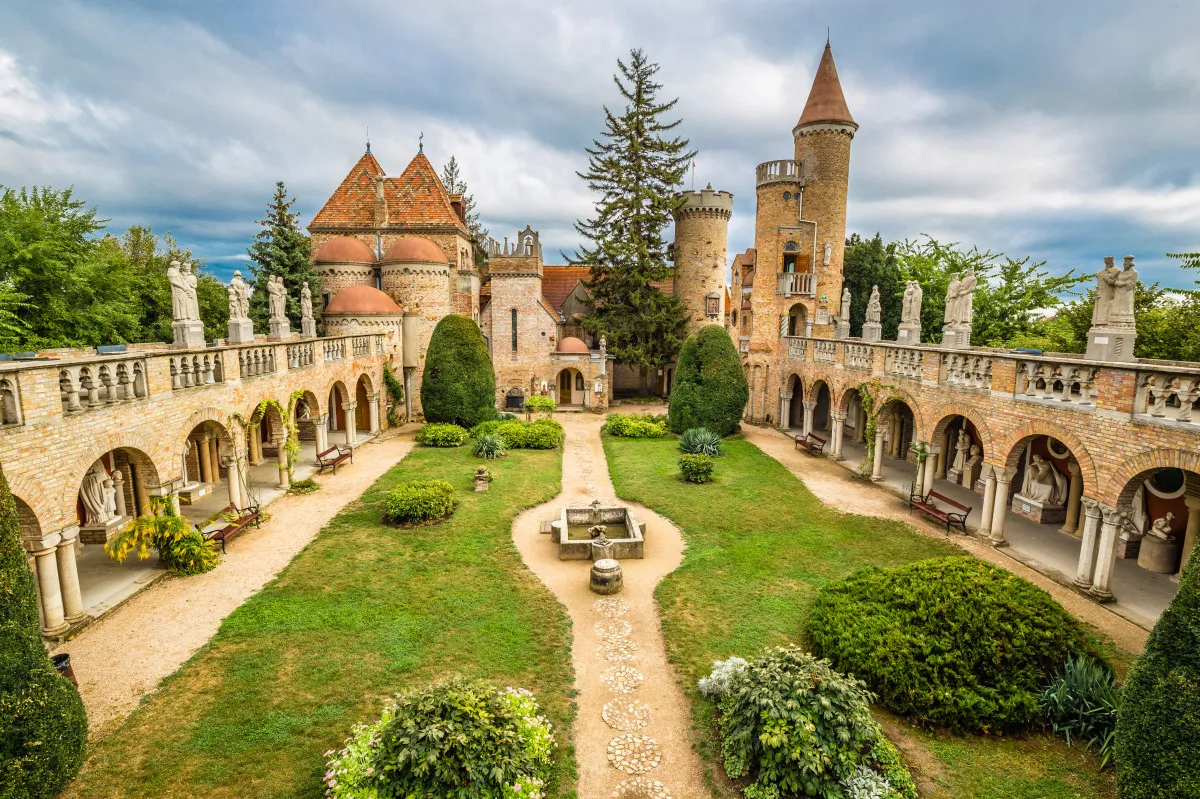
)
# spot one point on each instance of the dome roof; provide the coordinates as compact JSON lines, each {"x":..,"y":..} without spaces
{"x":570,"y":344}
{"x":415,"y":248}
{"x":362,"y":300}
{"x":344,"y":248}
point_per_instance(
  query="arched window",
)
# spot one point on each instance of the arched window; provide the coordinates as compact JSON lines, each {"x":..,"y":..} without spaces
{"x":579,"y":381}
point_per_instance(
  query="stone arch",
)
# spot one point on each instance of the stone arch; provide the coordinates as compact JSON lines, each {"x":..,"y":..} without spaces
{"x":151,"y":472}
{"x":794,"y":391}
{"x":1011,"y":445}
{"x":570,"y":386}
{"x":337,"y":396}
{"x":35,"y":496}
{"x":365,"y":380}
{"x":219,"y":419}
{"x":27,"y":519}
{"x":945,"y":415}
{"x":1124,"y":479}
{"x":797,"y":320}
{"x":886,"y":396}
{"x":821,"y":393}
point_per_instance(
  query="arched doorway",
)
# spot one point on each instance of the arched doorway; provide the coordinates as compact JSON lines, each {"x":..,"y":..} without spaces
{"x":1163,"y":520}
{"x":571,"y":388}
{"x":364,"y":417}
{"x":821,"y":417}
{"x":207,"y":449}
{"x":960,"y":452}
{"x":266,"y":451}
{"x":336,"y":402}
{"x":795,"y":417}
{"x":797,"y":320}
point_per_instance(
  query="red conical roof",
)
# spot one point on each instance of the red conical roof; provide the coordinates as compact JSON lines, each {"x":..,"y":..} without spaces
{"x":826,"y":103}
{"x":353,"y":203}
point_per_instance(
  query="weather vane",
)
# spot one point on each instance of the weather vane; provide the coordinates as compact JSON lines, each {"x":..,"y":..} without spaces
{"x":421,"y":142}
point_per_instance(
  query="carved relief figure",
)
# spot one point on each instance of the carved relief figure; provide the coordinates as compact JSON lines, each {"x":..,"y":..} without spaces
{"x":828,"y":252}
{"x":873,"y":308}
{"x":1043,"y":483}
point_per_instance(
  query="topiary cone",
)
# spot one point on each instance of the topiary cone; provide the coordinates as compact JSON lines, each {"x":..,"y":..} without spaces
{"x":1158,"y":724}
{"x":43,"y":727}
{"x":458,"y":385}
{"x":710,"y":387}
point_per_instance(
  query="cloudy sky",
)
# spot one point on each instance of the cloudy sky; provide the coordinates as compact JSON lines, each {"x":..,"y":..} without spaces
{"x":1065,"y":130}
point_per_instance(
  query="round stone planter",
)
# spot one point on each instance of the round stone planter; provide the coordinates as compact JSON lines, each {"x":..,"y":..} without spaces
{"x":606,"y":576}
{"x":1157,"y":555}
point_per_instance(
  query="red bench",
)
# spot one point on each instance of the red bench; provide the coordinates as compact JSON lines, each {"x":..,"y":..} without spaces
{"x":955,"y":515}
{"x":245,"y":517}
{"x":332,"y":457}
{"x":811,"y":444}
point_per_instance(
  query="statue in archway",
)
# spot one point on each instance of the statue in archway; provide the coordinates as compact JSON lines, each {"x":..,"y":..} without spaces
{"x":1161,"y":529}
{"x":98,"y":496}
{"x":1044,"y":483}
{"x":962,"y":447}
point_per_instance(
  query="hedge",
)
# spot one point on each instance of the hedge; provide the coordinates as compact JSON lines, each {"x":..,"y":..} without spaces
{"x":517,"y":434}
{"x":418,"y":501}
{"x":950,"y":642}
{"x":710,"y":388}
{"x":696,"y":468}
{"x":459,"y":384}
{"x":442,"y":435}
{"x":641,"y":425}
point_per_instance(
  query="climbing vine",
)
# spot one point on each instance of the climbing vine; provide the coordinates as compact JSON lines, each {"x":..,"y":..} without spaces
{"x":867,"y":399}
{"x":395,"y":390}
{"x":291,"y":444}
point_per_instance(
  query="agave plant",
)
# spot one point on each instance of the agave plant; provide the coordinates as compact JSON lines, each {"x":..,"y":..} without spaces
{"x":700,"y":441}
{"x":489,"y":446}
{"x":1081,"y":704}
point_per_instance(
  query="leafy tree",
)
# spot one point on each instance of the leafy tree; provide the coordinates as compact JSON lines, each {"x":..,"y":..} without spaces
{"x":453,"y":181}
{"x":147,"y":258}
{"x":710,"y":388}
{"x":867,"y":263}
{"x":635,"y":167}
{"x":459,"y":384}
{"x":43,"y":727}
{"x":1158,"y":723}
{"x":281,"y":248}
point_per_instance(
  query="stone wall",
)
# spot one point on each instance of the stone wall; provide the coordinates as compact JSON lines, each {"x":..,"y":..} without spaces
{"x":701,"y":237}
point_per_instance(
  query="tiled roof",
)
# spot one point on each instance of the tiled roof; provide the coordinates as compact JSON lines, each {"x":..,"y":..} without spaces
{"x":559,"y":281}
{"x":826,"y":103}
{"x":352,"y":204}
{"x":554,"y":314}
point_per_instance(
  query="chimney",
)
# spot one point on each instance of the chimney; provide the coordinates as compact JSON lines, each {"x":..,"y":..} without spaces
{"x":381,"y":210}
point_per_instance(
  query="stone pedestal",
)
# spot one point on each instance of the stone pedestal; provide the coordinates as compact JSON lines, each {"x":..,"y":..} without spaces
{"x":909,"y":334}
{"x":872,"y":331}
{"x":281,"y":328}
{"x":1159,"y":556}
{"x":308,"y":327}
{"x":954,"y":475}
{"x":841,"y":328}
{"x":1110,"y":344}
{"x":606,"y":577}
{"x":483,"y":480}
{"x":102,"y":533}
{"x":188,"y":334}
{"x":241,"y":332}
{"x":956,"y":338}
{"x":1036,"y":511}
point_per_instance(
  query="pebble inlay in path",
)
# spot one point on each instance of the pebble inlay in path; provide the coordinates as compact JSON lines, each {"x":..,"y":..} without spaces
{"x":641,"y":788}
{"x":634,"y":754}
{"x":626,"y":715}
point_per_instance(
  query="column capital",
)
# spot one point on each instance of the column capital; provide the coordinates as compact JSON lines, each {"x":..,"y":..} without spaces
{"x":1007,"y":475}
{"x":810,"y":405}
{"x":987,"y":472}
{"x":785,"y":395}
{"x":349,"y":406}
{"x":68,"y":534}
{"x":1115,"y":516}
{"x":1192,"y":503}
{"x":46,"y":542}
{"x":838,"y":416}
{"x":1091,"y":507}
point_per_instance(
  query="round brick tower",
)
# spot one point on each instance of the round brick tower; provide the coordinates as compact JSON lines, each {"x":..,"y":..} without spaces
{"x":701,"y":238}
{"x":416,"y":274}
{"x":823,"y":137}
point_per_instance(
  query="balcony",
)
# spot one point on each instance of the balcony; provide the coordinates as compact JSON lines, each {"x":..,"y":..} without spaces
{"x":778,"y":172}
{"x":803,"y":284}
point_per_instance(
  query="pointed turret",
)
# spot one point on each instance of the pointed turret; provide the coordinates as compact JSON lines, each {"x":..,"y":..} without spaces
{"x":826,"y":103}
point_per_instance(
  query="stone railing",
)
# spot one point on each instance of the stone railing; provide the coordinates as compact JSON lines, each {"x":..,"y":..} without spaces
{"x":860,"y":356}
{"x":300,"y":355}
{"x":824,"y":351}
{"x":87,"y":386}
{"x":904,"y":363}
{"x":967,"y":371}
{"x":797,"y":347}
{"x":784,"y":171}
{"x":1057,"y":382}
{"x":360,"y":346}
{"x":1168,"y":396}
{"x":797,"y":283}
{"x":256,"y":361}
{"x":335,"y":349}
{"x":196,"y":369}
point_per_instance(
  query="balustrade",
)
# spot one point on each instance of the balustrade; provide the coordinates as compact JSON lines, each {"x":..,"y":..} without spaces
{"x":85,"y":387}
{"x":256,"y":361}
{"x":824,"y":351}
{"x":860,"y":356}
{"x":967,"y":371}
{"x":803,"y":283}
{"x":906,"y":364}
{"x":1057,"y":382}
{"x":1168,"y":396}
{"x":300,"y":355}
{"x":784,"y":171}
{"x":335,"y":349}
{"x":359,"y":346}
{"x":797,"y":348}
{"x":198,"y":369}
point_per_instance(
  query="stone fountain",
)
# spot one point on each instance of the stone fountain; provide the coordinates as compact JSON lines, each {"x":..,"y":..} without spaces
{"x":597,"y":532}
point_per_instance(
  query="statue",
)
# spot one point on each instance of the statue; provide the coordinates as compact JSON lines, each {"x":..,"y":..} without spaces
{"x":910,"y":312}
{"x":308,"y":325}
{"x":1044,"y":483}
{"x":1106,"y":281}
{"x":193,"y":296}
{"x":96,"y":496}
{"x":951,"y":299}
{"x":962,"y":446}
{"x":110,"y":499}
{"x":181,"y":305}
{"x":844,"y":311}
{"x":241,"y":328}
{"x":1161,"y":529}
{"x":828,"y":252}
{"x":1114,"y":330}
{"x":603,"y":347}
{"x":277,"y":307}
{"x":873,"y":307}
{"x":964,"y":304}
{"x":1120,"y":312}
{"x":599,"y":535}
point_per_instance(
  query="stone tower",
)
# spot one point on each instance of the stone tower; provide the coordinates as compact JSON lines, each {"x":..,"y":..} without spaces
{"x":701,"y":238}
{"x":823,"y":137}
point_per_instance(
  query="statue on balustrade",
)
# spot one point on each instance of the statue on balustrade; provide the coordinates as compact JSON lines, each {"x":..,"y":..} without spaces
{"x":910,"y":314}
{"x":960,"y":299}
{"x":871,"y":327}
{"x":277,"y":307}
{"x":1113,"y":331}
{"x":1106,"y":283}
{"x":308,"y":326}
{"x":841,"y":325}
{"x":241,"y":328}
{"x":1120,"y":313}
{"x":1044,"y":483}
{"x":185,"y":306}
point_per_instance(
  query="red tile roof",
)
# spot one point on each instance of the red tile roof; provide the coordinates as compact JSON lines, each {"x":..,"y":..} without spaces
{"x":559,"y":281}
{"x":414,"y":248}
{"x":826,"y":103}
{"x":352,"y":204}
{"x":361,"y":300}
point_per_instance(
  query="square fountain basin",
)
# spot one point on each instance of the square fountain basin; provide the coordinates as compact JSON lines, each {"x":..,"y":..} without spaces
{"x":569,"y":532}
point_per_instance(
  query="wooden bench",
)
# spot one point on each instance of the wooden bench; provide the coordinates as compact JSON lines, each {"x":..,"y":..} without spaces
{"x":245,"y":517}
{"x":811,"y":444}
{"x":956,"y":515}
{"x":332,"y":457}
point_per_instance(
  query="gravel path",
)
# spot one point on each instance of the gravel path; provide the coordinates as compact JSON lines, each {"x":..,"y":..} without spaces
{"x":633,"y":727}
{"x":126,"y":654}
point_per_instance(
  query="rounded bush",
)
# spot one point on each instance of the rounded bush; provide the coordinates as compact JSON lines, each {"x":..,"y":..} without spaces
{"x":710,"y":389}
{"x":458,"y":385}
{"x":517,"y":434}
{"x":696,"y":468}
{"x":641,"y":425}
{"x":442,"y":435}
{"x":700,"y":441}
{"x":1158,"y":723}
{"x":418,"y":501}
{"x":460,"y":738}
{"x":952,"y":642}
{"x":489,"y":446}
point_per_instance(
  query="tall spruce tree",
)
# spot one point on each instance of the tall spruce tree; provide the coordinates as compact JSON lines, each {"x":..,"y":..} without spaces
{"x":636,"y":166}
{"x":452,"y":179}
{"x":281,"y":248}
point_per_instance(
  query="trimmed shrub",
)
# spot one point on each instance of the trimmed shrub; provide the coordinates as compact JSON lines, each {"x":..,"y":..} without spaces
{"x":539,"y":403}
{"x":517,"y":434}
{"x":489,"y":446}
{"x":710,"y":389}
{"x":1158,"y":723}
{"x":458,"y":385}
{"x":701,"y":441}
{"x":799,"y":728}
{"x":442,"y":435}
{"x":696,"y":468}
{"x":642,"y":425}
{"x":1081,"y":704}
{"x":952,"y":642}
{"x":43,"y":727}
{"x":460,"y":738}
{"x":418,"y":501}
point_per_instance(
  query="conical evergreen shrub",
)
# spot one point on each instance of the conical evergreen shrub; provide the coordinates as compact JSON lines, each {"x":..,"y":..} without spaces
{"x":1158,"y":724}
{"x":43,"y":727}
{"x":710,"y":388}
{"x":459,"y":385}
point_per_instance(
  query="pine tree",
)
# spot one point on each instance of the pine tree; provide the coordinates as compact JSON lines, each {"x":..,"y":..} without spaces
{"x":453,"y":181}
{"x":635,"y":168}
{"x":281,"y":248}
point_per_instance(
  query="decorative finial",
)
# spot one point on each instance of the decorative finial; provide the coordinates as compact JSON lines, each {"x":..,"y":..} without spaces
{"x":826,"y":35}
{"x":368,"y":139}
{"x":421,"y":143}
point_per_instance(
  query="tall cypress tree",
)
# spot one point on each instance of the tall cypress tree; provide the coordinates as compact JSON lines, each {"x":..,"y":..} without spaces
{"x":281,"y":248}
{"x":636,"y":166}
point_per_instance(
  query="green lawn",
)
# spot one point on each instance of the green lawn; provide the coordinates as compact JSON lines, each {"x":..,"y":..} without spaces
{"x":364,"y":611}
{"x":760,"y":546}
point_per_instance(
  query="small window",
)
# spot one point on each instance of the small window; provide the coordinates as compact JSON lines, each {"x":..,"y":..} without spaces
{"x":787,"y":195}
{"x":514,"y":329}
{"x":713,"y":306}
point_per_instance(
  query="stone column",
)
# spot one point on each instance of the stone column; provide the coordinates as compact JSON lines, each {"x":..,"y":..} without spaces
{"x":375,"y":411}
{"x":837,"y":422}
{"x":877,"y":465}
{"x":204,"y":453}
{"x":281,"y":459}
{"x":68,"y":576}
{"x":119,"y":485}
{"x":931,"y":462}
{"x":252,"y":436}
{"x":140,"y":497}
{"x":1073,"y":498}
{"x":1000,"y":508}
{"x":939,"y":469}
{"x":809,"y":407}
{"x":351,"y":423}
{"x":1106,"y":557}
{"x":214,"y":458}
{"x":1192,"y":530}
{"x":233,"y":485}
{"x":784,"y":401}
{"x":989,"y":499}
{"x":1087,"y":547}
{"x":896,"y":434}
{"x":322,"y":431}
{"x":54,"y":619}
{"x":860,"y":429}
